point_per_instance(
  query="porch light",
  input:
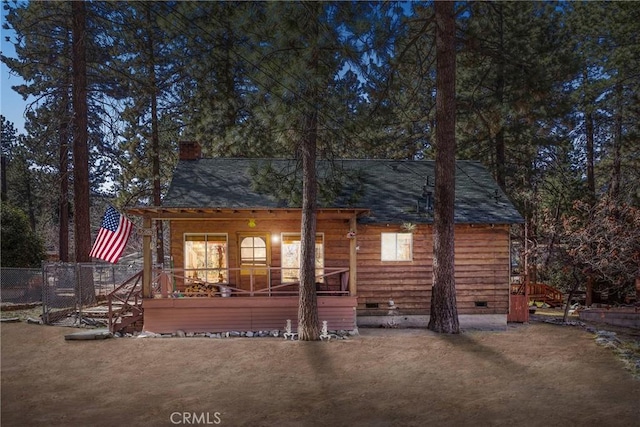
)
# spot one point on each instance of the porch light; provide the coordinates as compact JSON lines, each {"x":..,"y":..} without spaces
{"x":252,"y":222}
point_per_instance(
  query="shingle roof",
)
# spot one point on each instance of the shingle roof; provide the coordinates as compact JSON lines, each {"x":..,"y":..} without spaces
{"x":394,"y":191}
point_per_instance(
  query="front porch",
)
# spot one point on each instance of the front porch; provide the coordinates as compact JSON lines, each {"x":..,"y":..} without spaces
{"x":180,"y":303}
{"x":176,"y":302}
{"x":238,"y":269}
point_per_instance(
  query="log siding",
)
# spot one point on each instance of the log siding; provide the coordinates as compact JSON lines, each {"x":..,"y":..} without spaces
{"x":481,"y":263}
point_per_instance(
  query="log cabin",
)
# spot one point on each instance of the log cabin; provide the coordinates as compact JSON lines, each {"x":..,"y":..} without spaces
{"x":235,"y":242}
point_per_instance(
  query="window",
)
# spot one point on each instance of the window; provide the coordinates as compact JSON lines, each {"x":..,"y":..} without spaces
{"x":291,"y":257}
{"x":205,"y":257}
{"x":397,"y":246}
{"x":253,"y":251}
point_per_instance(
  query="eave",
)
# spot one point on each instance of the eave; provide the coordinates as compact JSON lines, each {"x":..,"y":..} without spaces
{"x":212,"y":214}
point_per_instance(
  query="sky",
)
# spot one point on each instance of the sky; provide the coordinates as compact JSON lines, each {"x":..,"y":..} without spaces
{"x":12,"y":105}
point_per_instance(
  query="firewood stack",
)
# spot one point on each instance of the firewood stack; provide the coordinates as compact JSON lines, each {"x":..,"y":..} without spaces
{"x":201,"y":290}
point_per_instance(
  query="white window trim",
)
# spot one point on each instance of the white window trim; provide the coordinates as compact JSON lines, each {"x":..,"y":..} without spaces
{"x":395,"y":259}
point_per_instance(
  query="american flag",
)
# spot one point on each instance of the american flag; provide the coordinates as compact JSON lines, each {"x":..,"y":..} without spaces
{"x":112,"y":237}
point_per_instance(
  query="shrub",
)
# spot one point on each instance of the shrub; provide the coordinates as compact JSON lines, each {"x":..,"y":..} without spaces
{"x":21,"y":247}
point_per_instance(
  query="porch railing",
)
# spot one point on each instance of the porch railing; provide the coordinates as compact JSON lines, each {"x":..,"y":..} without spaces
{"x":258,"y":281}
{"x":125,"y":303}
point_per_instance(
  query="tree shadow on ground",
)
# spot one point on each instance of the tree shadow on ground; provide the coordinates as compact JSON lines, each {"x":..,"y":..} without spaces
{"x":319,"y":359}
{"x":323,"y":378}
{"x":468,"y":343}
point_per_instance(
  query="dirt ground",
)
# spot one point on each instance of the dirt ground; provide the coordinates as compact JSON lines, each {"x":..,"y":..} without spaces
{"x":534,"y":374}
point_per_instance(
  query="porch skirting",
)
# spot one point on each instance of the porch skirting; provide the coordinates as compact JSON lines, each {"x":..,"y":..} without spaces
{"x":167,"y":315}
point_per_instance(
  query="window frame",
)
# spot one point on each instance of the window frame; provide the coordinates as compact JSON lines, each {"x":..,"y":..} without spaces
{"x":397,"y":250}
{"x":209,"y":273}
{"x":253,"y":260}
{"x":320,"y":267}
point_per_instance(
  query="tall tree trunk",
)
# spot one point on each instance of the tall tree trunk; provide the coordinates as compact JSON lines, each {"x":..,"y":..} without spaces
{"x":81,"y":150}
{"x":63,"y":208}
{"x":63,"y":162}
{"x":572,"y":291}
{"x":308,"y":322}
{"x":589,"y":292}
{"x":155,"y":139}
{"x":444,"y":312}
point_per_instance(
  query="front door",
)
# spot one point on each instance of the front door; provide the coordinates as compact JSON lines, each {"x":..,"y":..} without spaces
{"x":255,"y":258}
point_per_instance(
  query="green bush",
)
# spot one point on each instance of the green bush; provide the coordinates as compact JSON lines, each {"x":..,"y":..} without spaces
{"x":21,"y":247}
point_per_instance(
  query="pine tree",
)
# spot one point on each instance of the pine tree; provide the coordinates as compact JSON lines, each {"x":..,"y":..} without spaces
{"x":514,"y":66}
{"x":141,"y":64}
{"x":82,"y":224}
{"x":212,"y":59}
{"x":44,"y":60}
{"x":9,"y":135}
{"x":295,"y":83}
{"x":444,"y":313}
{"x":80,"y":135}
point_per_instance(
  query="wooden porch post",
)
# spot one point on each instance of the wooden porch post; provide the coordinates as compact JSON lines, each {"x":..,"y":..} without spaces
{"x":146,"y":254}
{"x":353,"y":259}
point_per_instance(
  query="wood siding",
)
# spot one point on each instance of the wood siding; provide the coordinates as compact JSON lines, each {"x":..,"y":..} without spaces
{"x":241,"y":314}
{"x":481,"y":263}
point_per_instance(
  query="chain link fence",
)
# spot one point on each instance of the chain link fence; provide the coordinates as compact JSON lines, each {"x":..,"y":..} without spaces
{"x":72,"y":288}
{"x":20,"y":286}
{"x":70,"y":293}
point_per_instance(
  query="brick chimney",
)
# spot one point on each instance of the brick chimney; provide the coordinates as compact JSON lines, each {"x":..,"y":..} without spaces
{"x":190,"y":150}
